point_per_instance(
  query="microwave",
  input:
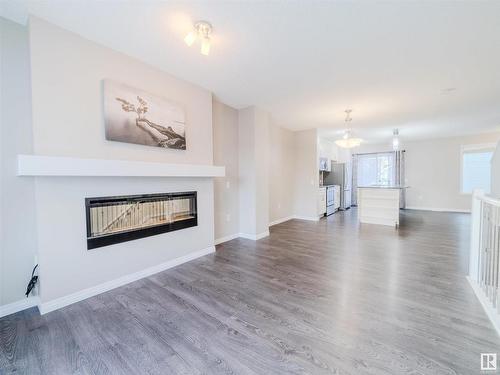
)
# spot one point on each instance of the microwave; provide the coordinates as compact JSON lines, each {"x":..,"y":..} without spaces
{"x":325,"y":164}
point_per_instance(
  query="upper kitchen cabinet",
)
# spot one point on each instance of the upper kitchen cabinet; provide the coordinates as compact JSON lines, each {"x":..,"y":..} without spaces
{"x":327,"y":149}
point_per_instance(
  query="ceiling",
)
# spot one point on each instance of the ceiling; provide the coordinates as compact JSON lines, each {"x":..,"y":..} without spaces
{"x":429,"y":68}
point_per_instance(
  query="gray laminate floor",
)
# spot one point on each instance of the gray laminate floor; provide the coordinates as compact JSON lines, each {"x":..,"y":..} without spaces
{"x":320,"y":298}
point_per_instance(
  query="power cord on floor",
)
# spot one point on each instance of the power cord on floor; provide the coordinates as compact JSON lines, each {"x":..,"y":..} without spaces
{"x":33,"y":281}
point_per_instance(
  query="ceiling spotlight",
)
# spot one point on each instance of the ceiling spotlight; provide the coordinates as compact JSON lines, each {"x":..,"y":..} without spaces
{"x":205,"y":46}
{"x":202,"y":31}
{"x":395,"y":139}
{"x":190,"y":38}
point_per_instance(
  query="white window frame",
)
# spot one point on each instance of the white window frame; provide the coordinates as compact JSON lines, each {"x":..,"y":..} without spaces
{"x":471,"y":147}
{"x":390,"y":153}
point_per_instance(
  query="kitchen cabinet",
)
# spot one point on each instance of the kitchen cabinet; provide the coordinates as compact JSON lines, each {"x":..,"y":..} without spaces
{"x":336,"y":198}
{"x":328,"y":149}
{"x":379,"y":204}
{"x":321,"y":201}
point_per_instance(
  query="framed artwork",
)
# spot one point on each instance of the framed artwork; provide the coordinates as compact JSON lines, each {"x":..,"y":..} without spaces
{"x":134,"y":116}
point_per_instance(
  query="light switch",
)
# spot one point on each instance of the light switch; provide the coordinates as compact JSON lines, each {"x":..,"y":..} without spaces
{"x":228,"y":184}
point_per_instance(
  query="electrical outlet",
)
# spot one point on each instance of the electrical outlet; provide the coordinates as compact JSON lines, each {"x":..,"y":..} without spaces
{"x":228,"y":217}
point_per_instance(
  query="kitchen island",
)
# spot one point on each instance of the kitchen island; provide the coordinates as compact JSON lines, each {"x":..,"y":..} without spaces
{"x":379,"y":204}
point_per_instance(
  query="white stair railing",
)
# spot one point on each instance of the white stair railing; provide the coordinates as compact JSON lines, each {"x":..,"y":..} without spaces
{"x":484,"y":260}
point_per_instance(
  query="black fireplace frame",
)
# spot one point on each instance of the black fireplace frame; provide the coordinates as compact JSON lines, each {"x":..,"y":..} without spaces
{"x":135,"y":234}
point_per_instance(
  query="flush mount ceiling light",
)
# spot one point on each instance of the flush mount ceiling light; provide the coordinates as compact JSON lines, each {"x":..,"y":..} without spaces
{"x":201,"y":31}
{"x":347,"y":141}
{"x":395,"y":139}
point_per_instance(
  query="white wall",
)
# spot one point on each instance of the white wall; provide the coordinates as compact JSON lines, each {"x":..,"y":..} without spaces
{"x":262,"y":125}
{"x":2,"y":272}
{"x":344,"y":155}
{"x":246,"y":171}
{"x":495,"y":173}
{"x":328,"y":148}
{"x":282,"y":161}
{"x":67,"y":72}
{"x":253,"y":169}
{"x":17,"y":229}
{"x":67,"y":267}
{"x":226,"y":199}
{"x":280,"y":167}
{"x":306,"y":180}
{"x":433,"y":171}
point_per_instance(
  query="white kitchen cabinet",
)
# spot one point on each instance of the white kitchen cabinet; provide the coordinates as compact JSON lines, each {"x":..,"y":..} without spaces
{"x":323,"y":148}
{"x":336,"y":198}
{"x":321,"y":201}
{"x":328,"y":149}
{"x":379,"y":205}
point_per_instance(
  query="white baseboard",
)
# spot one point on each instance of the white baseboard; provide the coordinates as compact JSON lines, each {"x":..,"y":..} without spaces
{"x":279,"y":221}
{"x":309,"y":218}
{"x":14,"y":307}
{"x":254,"y":237}
{"x":226,"y":238}
{"x":488,"y":308}
{"x":438,"y":209}
{"x":98,"y":289}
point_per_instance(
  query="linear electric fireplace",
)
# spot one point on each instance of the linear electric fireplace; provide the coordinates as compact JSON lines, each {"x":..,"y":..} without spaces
{"x":117,"y":219}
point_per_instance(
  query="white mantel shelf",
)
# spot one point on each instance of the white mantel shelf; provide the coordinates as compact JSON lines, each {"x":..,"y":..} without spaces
{"x":36,"y":165}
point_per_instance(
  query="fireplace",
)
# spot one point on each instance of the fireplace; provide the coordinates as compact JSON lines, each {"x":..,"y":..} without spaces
{"x":112,"y":220}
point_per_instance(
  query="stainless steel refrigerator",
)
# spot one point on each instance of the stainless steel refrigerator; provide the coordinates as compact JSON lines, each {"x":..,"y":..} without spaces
{"x":341,"y":174}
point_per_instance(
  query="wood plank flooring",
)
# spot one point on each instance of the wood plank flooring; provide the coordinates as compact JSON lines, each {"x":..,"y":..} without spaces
{"x":330,"y":297}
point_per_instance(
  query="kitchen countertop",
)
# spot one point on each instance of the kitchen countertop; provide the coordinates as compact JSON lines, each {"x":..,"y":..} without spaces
{"x":383,"y":187}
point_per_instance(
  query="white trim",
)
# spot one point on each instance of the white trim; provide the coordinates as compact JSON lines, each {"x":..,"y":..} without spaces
{"x":38,"y":165}
{"x":486,"y":198}
{"x":493,"y":315}
{"x":309,"y":218}
{"x":98,"y":289}
{"x":254,"y":237}
{"x":475,"y":234}
{"x":478,"y":147}
{"x":279,"y":221}
{"x":226,"y":238}
{"x":20,"y":305}
{"x":439,"y":209}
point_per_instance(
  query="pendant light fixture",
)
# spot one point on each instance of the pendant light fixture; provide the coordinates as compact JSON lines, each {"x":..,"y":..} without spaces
{"x":201,"y":31}
{"x":347,"y":140}
{"x":395,"y":139}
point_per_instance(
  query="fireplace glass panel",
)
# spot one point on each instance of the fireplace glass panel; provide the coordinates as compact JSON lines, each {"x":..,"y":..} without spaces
{"x":117,"y":219}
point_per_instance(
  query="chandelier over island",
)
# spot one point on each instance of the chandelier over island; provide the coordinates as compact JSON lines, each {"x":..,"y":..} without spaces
{"x":347,"y":140}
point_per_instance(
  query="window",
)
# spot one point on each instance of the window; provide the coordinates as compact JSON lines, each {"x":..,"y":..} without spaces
{"x":476,"y":168}
{"x":376,"y":169}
